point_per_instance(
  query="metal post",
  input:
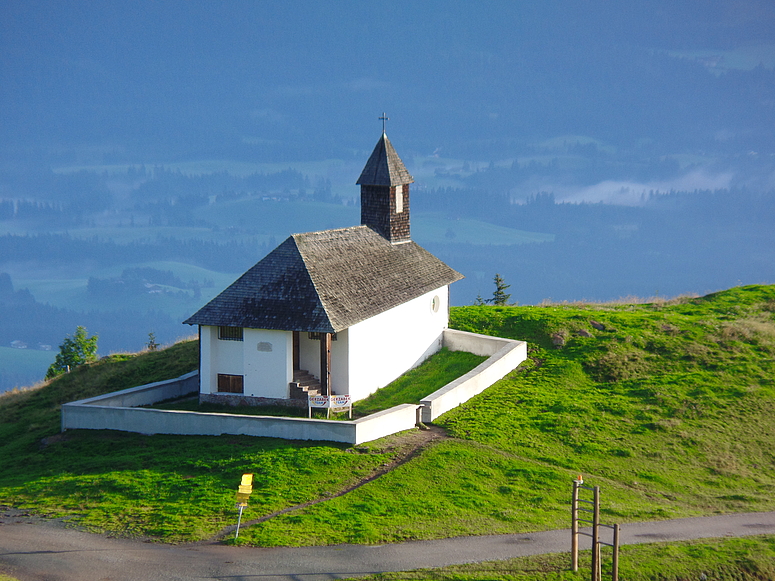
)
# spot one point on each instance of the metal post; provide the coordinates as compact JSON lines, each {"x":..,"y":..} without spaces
{"x":574,"y":535}
{"x":615,"y":565}
{"x":596,"y":537}
{"x":239,"y":519}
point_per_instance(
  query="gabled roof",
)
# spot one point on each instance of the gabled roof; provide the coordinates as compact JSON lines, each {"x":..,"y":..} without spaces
{"x":326,"y":282}
{"x":384,"y":167}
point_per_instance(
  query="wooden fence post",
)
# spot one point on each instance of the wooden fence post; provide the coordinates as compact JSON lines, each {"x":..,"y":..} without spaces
{"x":574,"y":539}
{"x":615,"y":564}
{"x":596,"y":537}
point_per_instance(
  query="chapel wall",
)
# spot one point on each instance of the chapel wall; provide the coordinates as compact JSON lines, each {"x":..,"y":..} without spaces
{"x":384,"y":347}
{"x":268,"y":362}
{"x":218,"y":357}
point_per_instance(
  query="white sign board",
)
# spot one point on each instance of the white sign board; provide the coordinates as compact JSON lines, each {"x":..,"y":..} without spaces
{"x":333,"y":402}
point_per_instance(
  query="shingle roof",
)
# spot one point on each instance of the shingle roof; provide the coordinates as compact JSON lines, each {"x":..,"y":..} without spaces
{"x":384,"y":167}
{"x":326,"y":282}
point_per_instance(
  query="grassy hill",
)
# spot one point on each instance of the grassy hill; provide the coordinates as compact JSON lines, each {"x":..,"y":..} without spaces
{"x":668,"y":406}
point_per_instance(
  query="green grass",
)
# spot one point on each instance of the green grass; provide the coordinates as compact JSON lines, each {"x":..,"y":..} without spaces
{"x":452,"y":489}
{"x":442,"y":368}
{"x":175,"y":488}
{"x":670,"y":409}
{"x":27,"y":416}
{"x":171,"y":487}
{"x":676,"y":402}
{"x":746,"y":559}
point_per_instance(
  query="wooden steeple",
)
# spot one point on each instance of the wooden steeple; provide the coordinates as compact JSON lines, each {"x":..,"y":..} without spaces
{"x":384,"y":185}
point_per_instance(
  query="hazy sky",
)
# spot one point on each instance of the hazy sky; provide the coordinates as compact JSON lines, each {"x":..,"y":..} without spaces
{"x":108,"y":74}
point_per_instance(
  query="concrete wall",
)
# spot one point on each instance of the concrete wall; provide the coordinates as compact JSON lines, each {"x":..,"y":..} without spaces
{"x":148,"y":421}
{"x":147,"y":394}
{"x":396,"y":419}
{"x":116,"y":411}
{"x":483,"y":345}
{"x":504,"y":355}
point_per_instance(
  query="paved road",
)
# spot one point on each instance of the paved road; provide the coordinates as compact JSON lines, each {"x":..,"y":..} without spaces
{"x":31,"y":551}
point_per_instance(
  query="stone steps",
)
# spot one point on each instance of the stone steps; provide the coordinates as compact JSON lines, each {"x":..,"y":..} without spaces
{"x":304,"y":384}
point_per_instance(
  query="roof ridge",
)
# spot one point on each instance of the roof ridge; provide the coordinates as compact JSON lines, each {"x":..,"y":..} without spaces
{"x":329,"y":230}
{"x":315,"y":285}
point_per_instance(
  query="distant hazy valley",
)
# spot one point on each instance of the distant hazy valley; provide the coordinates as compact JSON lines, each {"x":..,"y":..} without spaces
{"x":580,"y":153}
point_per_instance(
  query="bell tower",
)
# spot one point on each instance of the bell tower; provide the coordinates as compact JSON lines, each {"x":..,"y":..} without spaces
{"x":385,"y":192}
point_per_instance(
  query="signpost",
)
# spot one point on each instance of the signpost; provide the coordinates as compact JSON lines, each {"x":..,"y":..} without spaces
{"x":243,"y":493}
{"x":333,"y":402}
{"x":593,"y":509}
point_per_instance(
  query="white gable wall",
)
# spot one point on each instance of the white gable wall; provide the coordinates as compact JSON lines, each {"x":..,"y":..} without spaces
{"x":382,"y":348}
{"x":268,"y":362}
{"x":263,"y":358}
{"x":218,"y":357}
{"x":207,"y":379}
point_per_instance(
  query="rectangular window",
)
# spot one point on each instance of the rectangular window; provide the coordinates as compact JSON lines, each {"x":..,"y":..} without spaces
{"x":231,"y":383}
{"x":399,"y":199}
{"x":230,"y":333}
{"x":316,"y":336}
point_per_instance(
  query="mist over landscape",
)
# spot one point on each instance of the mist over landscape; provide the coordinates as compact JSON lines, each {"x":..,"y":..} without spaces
{"x":152,"y":152}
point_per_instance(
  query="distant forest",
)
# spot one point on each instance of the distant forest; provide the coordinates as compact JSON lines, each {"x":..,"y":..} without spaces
{"x":672,"y":241}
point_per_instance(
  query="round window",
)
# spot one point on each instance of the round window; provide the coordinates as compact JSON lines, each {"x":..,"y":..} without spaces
{"x":435,"y":304}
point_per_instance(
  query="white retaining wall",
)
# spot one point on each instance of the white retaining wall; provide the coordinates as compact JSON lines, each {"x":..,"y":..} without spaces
{"x":147,"y":394}
{"x":150,"y":421}
{"x":116,"y":411}
{"x":504,"y":355}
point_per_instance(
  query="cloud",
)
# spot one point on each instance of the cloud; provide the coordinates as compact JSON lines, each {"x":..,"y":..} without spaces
{"x":631,"y":193}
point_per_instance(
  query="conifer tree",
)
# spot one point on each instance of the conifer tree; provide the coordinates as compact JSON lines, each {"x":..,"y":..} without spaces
{"x":500,"y":297}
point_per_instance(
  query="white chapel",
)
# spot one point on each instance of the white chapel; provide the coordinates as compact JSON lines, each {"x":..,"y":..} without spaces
{"x":336,"y":312}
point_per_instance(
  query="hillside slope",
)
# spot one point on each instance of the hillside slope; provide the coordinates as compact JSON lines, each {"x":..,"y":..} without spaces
{"x":669,"y":407}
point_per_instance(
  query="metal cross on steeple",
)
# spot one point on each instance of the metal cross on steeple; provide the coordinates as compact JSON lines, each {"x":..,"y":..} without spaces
{"x":383,"y":119}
